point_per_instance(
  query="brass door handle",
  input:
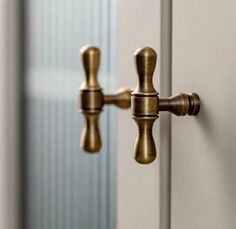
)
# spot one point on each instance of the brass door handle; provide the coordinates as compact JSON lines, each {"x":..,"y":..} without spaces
{"x":92,"y":99}
{"x":146,"y":105}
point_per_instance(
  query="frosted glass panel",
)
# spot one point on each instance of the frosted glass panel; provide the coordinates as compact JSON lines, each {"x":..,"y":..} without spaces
{"x":65,"y":187}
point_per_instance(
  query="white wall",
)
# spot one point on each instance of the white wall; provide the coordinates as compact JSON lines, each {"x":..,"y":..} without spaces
{"x":203,"y":147}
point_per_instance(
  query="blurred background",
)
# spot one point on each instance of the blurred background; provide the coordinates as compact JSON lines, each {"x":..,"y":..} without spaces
{"x":62,"y":187}
{"x":65,"y":187}
{"x":46,"y":180}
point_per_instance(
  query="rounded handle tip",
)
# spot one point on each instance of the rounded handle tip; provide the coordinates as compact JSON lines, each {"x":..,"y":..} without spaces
{"x":90,"y":137}
{"x":90,"y":57}
{"x":145,"y":51}
{"x":145,"y":149}
{"x":145,"y":61}
{"x":145,"y":64}
{"x":90,"y":53}
{"x":145,"y":159}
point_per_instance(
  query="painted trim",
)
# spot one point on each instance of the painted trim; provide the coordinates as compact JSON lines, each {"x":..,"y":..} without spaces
{"x":165,"y":119}
{"x":10,"y":158}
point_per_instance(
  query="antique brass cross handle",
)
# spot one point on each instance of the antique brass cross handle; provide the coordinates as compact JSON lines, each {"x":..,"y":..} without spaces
{"x":92,"y":99}
{"x":146,"y":105}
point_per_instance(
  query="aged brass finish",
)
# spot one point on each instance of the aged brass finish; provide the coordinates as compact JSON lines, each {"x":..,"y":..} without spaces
{"x":121,"y":98}
{"x":146,"y":105}
{"x":181,"y":104}
{"x":92,"y":99}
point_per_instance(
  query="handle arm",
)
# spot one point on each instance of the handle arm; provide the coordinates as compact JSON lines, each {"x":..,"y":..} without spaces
{"x":121,"y":98}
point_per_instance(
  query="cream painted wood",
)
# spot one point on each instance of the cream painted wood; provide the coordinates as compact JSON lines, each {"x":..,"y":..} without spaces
{"x":3,"y":116}
{"x":9,"y":117}
{"x":138,"y":185}
{"x":204,"y":147}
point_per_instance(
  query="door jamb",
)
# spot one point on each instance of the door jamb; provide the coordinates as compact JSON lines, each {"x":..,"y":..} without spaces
{"x":165,"y":119}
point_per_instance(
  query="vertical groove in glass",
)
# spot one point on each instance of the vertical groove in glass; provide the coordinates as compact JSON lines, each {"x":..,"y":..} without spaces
{"x":67,"y":188}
